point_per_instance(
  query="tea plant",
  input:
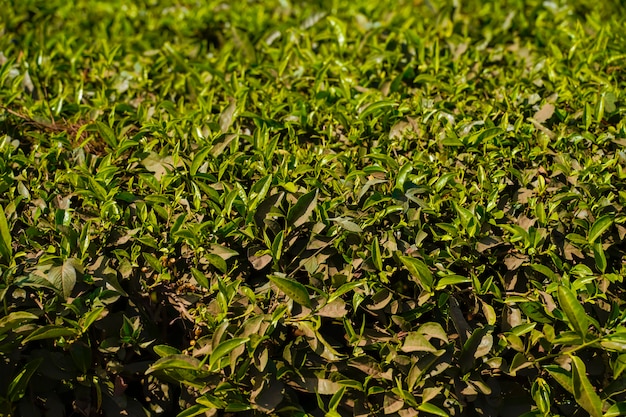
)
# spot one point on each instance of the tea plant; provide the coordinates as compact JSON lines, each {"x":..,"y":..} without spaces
{"x":312,"y":208}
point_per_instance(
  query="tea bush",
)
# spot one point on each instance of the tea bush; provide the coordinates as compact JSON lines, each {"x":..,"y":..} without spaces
{"x":312,"y":208}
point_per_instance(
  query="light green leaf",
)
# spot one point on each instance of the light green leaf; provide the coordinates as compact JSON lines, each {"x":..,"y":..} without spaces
{"x":6,"y":251}
{"x":417,"y":342}
{"x":419,"y":271}
{"x":560,"y":375}
{"x":599,"y":256}
{"x":292,"y":289}
{"x":51,"y":332}
{"x":376,"y":107}
{"x":616,"y":410}
{"x":584,"y":392}
{"x":598,"y":227}
{"x":199,"y":159}
{"x":91,"y":317}
{"x":194,"y":410}
{"x":576,"y":316}
{"x":165,"y":350}
{"x":432,"y":409}
{"x":619,"y":365}
{"x":452,"y":280}
{"x":14,"y":320}
{"x":347,"y":224}
{"x":176,"y":361}
{"x":339,"y":30}
{"x":225,"y":348}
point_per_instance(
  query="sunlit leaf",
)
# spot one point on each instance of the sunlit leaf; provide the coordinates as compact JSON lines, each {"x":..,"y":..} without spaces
{"x":292,"y":289}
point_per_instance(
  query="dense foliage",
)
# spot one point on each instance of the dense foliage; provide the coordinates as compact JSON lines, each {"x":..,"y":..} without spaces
{"x":312,"y":208}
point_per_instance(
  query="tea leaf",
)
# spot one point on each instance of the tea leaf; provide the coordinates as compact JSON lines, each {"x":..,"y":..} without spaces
{"x":418,"y":270}
{"x":224,"y":348}
{"x":6,"y":251}
{"x":292,"y":289}
{"x":599,"y":227}
{"x":17,"y":387}
{"x":301,"y":212}
{"x":574,"y":311}
{"x":175,"y":361}
{"x":583,"y":391}
{"x":51,"y":332}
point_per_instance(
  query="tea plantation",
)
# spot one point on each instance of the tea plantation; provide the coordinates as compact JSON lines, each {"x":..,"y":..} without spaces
{"x":312,"y":208}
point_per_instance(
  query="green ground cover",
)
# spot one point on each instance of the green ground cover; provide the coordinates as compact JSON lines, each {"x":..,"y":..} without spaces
{"x":312,"y":208}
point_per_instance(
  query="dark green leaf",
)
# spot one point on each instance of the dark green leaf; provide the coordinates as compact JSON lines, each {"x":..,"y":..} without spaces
{"x":17,"y":387}
{"x":301,"y":212}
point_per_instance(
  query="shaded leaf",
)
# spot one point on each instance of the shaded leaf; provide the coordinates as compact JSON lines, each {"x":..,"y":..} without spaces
{"x":17,"y":387}
{"x":301,"y":212}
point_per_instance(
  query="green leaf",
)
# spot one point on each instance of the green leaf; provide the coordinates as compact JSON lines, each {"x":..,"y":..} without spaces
{"x":419,"y":270}
{"x":599,"y":257}
{"x":616,"y":410}
{"x":544,"y":270}
{"x":63,"y":277}
{"x":347,"y":224}
{"x":92,"y":316}
{"x":576,"y":316}
{"x":584,"y":392}
{"x":292,"y":289}
{"x":17,"y":387}
{"x":376,"y":256}
{"x":6,"y":250}
{"x":165,"y":350}
{"x":194,"y":410}
{"x":201,"y":279}
{"x":452,"y":280}
{"x":225,"y":348}
{"x":175,"y":361}
{"x":301,"y":212}
{"x":339,"y":30}
{"x":199,"y":159}
{"x":211,"y":401}
{"x":599,"y":226}
{"x":540,"y":392}
{"x":403,"y":174}
{"x":218,"y":262}
{"x":619,"y":365}
{"x":15,"y":319}
{"x":432,"y":409}
{"x":560,"y":375}
{"x":51,"y":332}
{"x":107,"y":134}
{"x":376,"y":107}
